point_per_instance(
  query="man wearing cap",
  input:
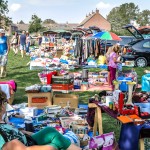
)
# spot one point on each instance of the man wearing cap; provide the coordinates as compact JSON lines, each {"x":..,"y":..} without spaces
{"x":4,"y":49}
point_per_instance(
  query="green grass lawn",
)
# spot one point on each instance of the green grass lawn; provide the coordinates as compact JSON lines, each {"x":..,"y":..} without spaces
{"x":18,"y":70}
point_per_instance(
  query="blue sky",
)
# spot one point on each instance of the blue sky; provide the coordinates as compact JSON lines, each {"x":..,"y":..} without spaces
{"x":73,"y":11}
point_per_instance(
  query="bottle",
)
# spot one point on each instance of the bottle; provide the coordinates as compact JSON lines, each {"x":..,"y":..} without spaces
{"x":111,"y":105}
{"x":114,"y":108}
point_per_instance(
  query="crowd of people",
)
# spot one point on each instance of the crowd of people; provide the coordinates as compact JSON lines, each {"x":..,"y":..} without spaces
{"x":21,"y":42}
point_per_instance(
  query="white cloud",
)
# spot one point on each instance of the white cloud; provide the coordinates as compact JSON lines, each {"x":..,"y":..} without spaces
{"x":50,"y":2}
{"x":102,"y":5}
{"x":14,"y":7}
{"x":105,"y":8}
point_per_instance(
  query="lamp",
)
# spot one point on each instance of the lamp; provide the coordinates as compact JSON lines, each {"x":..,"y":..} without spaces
{"x":130,"y":90}
{"x":117,"y":83}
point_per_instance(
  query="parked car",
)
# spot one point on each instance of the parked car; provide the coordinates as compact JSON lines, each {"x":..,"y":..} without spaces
{"x":139,"y":50}
{"x":126,"y":39}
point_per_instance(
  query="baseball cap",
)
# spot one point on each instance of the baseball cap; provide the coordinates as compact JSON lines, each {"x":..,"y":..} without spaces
{"x":2,"y":31}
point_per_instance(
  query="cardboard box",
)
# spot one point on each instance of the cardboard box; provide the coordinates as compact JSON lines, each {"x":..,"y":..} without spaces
{"x":39,"y":100}
{"x":64,"y":99}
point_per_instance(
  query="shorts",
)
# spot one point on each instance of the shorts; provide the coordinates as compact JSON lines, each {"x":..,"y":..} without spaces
{"x":22,"y":47}
{"x":15,"y":45}
{"x":3,"y":60}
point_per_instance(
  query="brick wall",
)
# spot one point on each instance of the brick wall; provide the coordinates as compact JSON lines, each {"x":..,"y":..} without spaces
{"x":99,"y":21}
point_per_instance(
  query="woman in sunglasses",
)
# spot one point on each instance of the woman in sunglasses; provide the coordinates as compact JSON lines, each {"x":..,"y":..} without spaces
{"x":46,"y":139}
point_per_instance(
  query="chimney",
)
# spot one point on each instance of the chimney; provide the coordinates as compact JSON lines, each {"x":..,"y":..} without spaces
{"x":89,"y":14}
{"x":92,"y":12}
{"x":97,"y":11}
{"x":86,"y":15}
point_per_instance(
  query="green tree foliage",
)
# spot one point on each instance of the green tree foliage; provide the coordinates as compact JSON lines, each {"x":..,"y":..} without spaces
{"x":144,"y":18}
{"x":120,"y":16}
{"x":49,"y":21}
{"x":35,"y":24}
{"x":4,"y":19}
{"x":21,"y":22}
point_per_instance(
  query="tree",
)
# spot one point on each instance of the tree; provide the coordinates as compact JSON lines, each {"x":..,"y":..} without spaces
{"x":144,"y":18}
{"x":49,"y":21}
{"x":4,"y":19}
{"x":122,"y":15}
{"x":21,"y":22}
{"x":35,"y":24}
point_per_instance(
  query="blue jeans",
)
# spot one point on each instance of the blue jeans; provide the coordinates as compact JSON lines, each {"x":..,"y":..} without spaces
{"x":27,"y":47}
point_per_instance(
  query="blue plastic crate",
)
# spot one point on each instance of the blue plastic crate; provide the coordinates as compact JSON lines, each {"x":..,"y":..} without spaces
{"x":123,"y":86}
{"x":77,"y":87}
{"x":146,"y":83}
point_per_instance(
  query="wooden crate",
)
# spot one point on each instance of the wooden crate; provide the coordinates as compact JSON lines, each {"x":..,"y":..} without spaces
{"x":64,"y":99}
{"x":39,"y":100}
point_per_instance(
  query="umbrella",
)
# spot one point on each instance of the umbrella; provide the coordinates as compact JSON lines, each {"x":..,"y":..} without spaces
{"x":105,"y":35}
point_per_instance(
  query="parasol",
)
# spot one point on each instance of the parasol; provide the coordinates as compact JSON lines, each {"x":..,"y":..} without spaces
{"x":105,"y":35}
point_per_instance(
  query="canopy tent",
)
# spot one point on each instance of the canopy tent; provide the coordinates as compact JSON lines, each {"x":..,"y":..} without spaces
{"x":49,"y":32}
{"x":56,"y":31}
{"x":61,"y":31}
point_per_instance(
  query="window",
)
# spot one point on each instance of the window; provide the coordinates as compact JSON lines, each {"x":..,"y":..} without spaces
{"x":146,"y":45}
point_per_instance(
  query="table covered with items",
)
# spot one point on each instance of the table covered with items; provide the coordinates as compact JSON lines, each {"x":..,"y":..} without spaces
{"x":130,"y":108}
{"x":69,"y":122}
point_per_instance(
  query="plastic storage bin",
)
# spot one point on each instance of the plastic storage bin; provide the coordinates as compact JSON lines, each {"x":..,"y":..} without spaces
{"x":123,"y":86}
{"x":146,"y":83}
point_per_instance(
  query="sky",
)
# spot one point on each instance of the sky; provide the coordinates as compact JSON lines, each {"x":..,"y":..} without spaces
{"x":62,"y":11}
